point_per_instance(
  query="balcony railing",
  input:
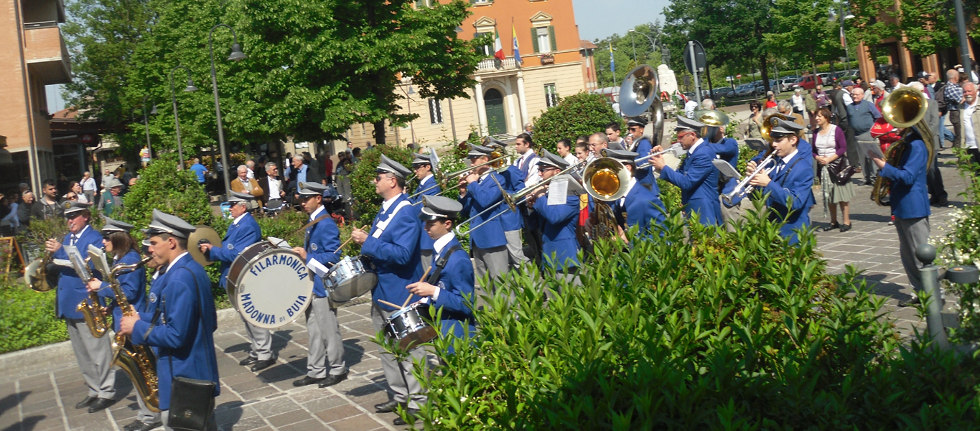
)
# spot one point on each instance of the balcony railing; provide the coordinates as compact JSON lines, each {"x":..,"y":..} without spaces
{"x":492,"y":64}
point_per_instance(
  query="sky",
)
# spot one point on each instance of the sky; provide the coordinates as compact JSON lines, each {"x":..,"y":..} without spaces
{"x":597,"y":19}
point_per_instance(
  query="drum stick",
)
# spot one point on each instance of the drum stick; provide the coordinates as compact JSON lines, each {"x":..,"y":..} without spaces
{"x":348,"y":240}
{"x":426,"y":274}
{"x":389,"y":304}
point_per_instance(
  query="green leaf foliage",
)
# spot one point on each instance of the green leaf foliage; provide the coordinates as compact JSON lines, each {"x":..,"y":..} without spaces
{"x":27,"y":317}
{"x":715,"y":330}
{"x":574,"y":116}
{"x":161,"y":186}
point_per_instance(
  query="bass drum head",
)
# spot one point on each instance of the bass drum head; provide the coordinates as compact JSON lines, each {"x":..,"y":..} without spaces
{"x":273,"y":287}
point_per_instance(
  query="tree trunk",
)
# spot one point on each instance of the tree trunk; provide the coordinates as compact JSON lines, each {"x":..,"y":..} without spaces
{"x":765,"y":72}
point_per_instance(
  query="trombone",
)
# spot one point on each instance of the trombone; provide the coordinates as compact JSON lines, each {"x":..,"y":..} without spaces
{"x":495,"y":162}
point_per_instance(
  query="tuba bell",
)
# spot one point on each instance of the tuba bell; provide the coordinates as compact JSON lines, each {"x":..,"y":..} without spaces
{"x":905,"y":108}
{"x":772,"y":121}
{"x":714,"y":121}
{"x":606,"y":179}
{"x":640,"y":94}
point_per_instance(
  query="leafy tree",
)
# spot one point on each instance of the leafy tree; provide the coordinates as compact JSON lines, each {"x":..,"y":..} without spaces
{"x":802,"y":28}
{"x":161,"y":186}
{"x":102,"y":36}
{"x":576,"y":115}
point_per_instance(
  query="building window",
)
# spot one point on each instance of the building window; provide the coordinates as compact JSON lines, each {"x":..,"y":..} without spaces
{"x":544,"y":39}
{"x":484,"y":49}
{"x":435,"y":111}
{"x":550,"y":95}
{"x":481,"y":1}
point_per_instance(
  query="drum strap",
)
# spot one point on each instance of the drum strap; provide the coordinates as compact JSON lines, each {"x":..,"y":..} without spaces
{"x":440,"y":264}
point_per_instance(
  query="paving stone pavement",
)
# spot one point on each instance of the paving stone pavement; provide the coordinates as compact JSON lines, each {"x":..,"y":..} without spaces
{"x":39,"y":387}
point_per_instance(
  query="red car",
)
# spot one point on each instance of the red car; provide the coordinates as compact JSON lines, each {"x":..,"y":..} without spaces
{"x":809,"y":82}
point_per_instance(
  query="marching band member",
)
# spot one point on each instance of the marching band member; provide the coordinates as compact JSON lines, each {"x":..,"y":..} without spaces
{"x":488,"y":245}
{"x":512,"y":221}
{"x":697,"y":177}
{"x":393,"y":246}
{"x":788,"y":190}
{"x":180,"y":319}
{"x":527,"y":163}
{"x":909,"y":197}
{"x":94,"y":355}
{"x":242,"y":233}
{"x":558,"y":221}
{"x":449,"y":286}
{"x":422,"y":165}
{"x":642,"y":146}
{"x":122,"y":246}
{"x":641,"y":205}
{"x":325,"y":365}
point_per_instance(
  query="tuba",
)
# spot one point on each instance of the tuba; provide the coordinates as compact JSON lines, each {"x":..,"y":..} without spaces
{"x":36,"y":275}
{"x":640,"y":94}
{"x":771,"y":121}
{"x":904,"y":108}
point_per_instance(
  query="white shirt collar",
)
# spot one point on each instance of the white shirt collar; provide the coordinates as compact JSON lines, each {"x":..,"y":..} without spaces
{"x":695,"y":146}
{"x":317,"y":212}
{"x":629,"y":188}
{"x":426,"y":178}
{"x":790,"y":156}
{"x":387,"y":203}
{"x":441,"y":243}
{"x":239,"y":218}
{"x":172,"y":262}
{"x":79,"y":234}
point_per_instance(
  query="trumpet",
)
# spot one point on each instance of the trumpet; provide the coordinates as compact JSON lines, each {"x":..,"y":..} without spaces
{"x":639,"y":162}
{"x":743,"y":187}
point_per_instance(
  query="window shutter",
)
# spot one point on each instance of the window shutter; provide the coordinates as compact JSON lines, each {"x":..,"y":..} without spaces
{"x":551,"y":35}
{"x":534,"y":39}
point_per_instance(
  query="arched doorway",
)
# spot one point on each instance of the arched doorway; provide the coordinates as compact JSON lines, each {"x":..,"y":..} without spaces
{"x":496,"y":119}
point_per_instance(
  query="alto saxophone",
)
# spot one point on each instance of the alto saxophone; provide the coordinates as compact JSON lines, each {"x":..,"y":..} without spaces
{"x":95,"y":314}
{"x":137,"y":360}
{"x":36,"y":273}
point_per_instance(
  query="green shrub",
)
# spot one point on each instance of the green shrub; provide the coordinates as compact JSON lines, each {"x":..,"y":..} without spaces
{"x":161,"y":186}
{"x":720,"y":331}
{"x":574,"y":116}
{"x":27,"y":317}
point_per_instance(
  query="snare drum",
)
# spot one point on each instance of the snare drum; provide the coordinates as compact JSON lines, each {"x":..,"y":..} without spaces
{"x":268,"y":285}
{"x":349,"y":279}
{"x":406,"y":326}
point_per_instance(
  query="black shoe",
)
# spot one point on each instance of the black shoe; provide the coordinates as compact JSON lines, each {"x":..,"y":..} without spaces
{"x":85,"y":402}
{"x":263,"y":364}
{"x":408,"y":412}
{"x":914,"y":300}
{"x":831,"y":227}
{"x":939,"y":202}
{"x":333,"y":379}
{"x":140,"y":426}
{"x":388,"y":407}
{"x":248,"y":361}
{"x":845,"y":227}
{"x":100,"y":404}
{"x":307,"y":380}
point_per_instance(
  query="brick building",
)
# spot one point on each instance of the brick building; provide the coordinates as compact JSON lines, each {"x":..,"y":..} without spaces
{"x":36,"y":56}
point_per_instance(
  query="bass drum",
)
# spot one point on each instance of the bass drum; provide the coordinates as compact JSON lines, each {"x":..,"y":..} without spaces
{"x":268,"y":285}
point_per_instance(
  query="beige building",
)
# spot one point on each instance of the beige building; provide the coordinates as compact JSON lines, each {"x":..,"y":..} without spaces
{"x":507,"y":95}
{"x":36,"y":56}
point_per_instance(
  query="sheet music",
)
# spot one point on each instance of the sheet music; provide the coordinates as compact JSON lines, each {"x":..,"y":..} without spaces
{"x":558,"y":192}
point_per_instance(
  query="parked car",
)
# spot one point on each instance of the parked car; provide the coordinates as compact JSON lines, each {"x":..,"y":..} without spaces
{"x":724,"y":92}
{"x":808,"y":82}
{"x":787,"y":84}
{"x":745,"y":90}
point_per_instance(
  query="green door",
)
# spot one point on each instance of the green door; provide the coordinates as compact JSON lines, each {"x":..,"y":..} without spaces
{"x":496,"y":120}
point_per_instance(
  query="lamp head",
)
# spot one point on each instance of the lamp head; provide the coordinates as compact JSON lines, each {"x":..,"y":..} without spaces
{"x":190,"y":88}
{"x":236,"y":52}
{"x":154,"y":110}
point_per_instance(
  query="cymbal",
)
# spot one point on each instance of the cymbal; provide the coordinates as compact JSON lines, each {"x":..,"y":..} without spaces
{"x":201,"y":235}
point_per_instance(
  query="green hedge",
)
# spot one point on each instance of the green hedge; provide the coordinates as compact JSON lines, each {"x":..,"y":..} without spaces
{"x":27,"y":317}
{"x":717,"y":330}
{"x":574,"y":116}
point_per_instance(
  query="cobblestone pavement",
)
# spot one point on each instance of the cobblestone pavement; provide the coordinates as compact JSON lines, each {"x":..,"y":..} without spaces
{"x":39,"y":387}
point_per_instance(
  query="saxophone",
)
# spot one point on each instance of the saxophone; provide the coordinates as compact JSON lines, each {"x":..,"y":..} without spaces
{"x":36,"y":273}
{"x":138,"y":361}
{"x":95,"y":314}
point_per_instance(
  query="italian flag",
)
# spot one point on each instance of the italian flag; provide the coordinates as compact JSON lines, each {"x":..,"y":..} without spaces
{"x":498,"y":48}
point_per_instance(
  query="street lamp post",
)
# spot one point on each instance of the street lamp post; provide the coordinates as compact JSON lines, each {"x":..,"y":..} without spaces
{"x":173,"y":98}
{"x":843,"y":35}
{"x":236,"y":55}
{"x":655,"y":44}
{"x":146,"y":126}
{"x":633,"y":42}
{"x":411,"y":123}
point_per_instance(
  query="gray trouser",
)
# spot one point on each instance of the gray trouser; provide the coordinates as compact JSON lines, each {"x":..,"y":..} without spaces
{"x":261,"y":341}
{"x":491,"y":261}
{"x":326,"y":345}
{"x":94,"y":357}
{"x":146,"y":415}
{"x":731,"y":215}
{"x":426,"y":259}
{"x":867,"y":165}
{"x":911,"y":233}
{"x":515,"y":248}
{"x":402,"y":384}
{"x":212,"y":424}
